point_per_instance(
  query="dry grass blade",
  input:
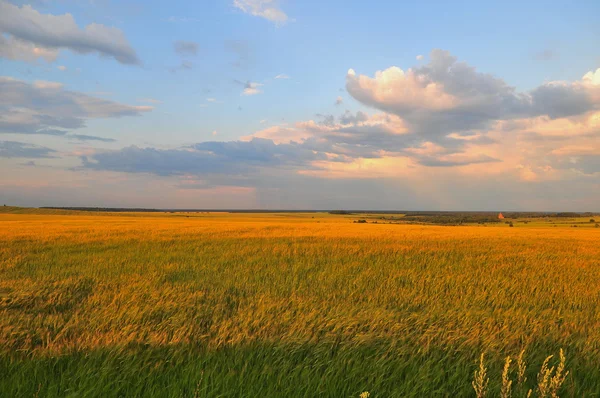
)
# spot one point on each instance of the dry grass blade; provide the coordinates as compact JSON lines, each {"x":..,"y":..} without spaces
{"x":506,"y":390}
{"x":480,"y":379}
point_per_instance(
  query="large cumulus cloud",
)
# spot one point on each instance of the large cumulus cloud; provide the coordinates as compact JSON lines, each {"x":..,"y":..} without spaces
{"x":447,"y":95}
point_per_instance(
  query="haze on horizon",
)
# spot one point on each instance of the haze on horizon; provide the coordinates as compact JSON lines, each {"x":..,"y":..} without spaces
{"x":290,"y":104}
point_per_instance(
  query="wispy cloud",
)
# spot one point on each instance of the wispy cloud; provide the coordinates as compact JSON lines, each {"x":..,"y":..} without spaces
{"x":242,"y":52}
{"x":184,"y":65}
{"x":545,"y":55}
{"x":175,"y":19}
{"x":185,"y":48}
{"x":44,"y":107}
{"x":84,"y":137}
{"x":13,"y":149}
{"x":150,"y":100}
{"x":267,"y":9}
{"x":252,"y":88}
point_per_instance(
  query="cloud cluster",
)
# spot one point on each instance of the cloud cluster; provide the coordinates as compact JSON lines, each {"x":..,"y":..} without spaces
{"x":307,"y":147}
{"x":32,"y":35}
{"x":358,"y":135}
{"x":44,"y":107}
{"x":441,"y":119}
{"x":267,"y":9}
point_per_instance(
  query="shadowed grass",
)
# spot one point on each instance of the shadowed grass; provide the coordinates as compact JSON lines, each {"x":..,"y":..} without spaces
{"x":259,"y":370}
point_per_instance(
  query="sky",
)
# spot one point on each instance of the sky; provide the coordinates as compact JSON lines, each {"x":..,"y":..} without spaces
{"x":289,"y":104}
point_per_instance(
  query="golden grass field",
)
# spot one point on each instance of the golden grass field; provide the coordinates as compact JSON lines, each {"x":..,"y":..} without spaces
{"x":286,"y":305}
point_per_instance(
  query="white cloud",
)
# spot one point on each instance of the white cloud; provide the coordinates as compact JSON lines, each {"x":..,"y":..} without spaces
{"x":61,"y":68}
{"x":397,"y":89}
{"x":268,"y":9}
{"x":211,"y":100}
{"x":419,"y":57}
{"x":592,"y":77}
{"x":49,"y":33}
{"x":339,"y":100}
{"x":252,"y":88}
{"x":282,"y":76}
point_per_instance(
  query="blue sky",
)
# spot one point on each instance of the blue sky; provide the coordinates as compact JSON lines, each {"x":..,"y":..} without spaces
{"x":159,"y":99}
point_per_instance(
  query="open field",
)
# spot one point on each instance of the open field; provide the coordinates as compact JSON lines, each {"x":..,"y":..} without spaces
{"x":289,"y":305}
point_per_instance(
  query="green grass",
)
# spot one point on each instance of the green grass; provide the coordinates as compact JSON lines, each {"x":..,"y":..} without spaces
{"x":259,"y":370}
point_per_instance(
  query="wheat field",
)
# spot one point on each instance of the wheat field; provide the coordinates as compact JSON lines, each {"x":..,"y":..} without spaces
{"x":288,"y":305}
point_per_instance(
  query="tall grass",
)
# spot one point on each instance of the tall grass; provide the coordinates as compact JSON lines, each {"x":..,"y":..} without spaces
{"x":549,"y":379}
{"x":288,"y":305}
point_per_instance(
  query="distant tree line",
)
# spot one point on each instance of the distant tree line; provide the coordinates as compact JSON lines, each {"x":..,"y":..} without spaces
{"x":454,"y":219}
